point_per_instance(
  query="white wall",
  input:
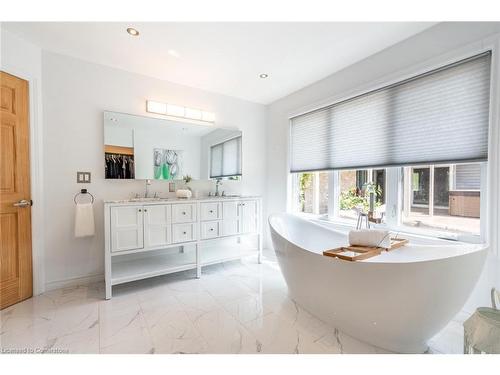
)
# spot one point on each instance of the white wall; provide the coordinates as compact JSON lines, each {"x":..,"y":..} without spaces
{"x":428,"y":45}
{"x":75,"y":94}
{"x":24,"y":60}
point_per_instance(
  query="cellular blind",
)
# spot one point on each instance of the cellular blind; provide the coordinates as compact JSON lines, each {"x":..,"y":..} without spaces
{"x":439,"y":116}
{"x":225,"y":159}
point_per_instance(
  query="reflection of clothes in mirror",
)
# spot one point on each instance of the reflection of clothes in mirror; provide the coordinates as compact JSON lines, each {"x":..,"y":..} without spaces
{"x":119,"y":166}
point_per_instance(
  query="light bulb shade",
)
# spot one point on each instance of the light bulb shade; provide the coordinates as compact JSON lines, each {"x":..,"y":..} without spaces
{"x":156,"y":107}
{"x":179,"y":111}
{"x":194,"y":114}
{"x":208,"y":116}
{"x":176,"y":110}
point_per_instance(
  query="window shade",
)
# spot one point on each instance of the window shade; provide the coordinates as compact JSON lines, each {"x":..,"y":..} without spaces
{"x":439,"y":116}
{"x":225,"y":159}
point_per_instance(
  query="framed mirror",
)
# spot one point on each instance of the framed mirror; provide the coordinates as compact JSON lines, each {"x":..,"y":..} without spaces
{"x":140,"y":147}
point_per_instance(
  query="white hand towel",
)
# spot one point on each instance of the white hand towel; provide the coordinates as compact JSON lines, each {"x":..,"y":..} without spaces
{"x":84,"y":220}
{"x":370,"y":237}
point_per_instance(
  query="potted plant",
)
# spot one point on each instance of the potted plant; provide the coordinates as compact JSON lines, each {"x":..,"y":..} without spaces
{"x":187,"y":179}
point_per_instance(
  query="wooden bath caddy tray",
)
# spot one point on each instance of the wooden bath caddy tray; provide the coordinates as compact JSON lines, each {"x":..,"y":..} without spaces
{"x":354,"y":253}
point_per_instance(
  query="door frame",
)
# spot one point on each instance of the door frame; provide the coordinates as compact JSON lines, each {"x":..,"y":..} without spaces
{"x":36,"y":174}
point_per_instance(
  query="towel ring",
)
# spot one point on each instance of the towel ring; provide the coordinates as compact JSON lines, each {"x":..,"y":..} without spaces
{"x":83,"y":192}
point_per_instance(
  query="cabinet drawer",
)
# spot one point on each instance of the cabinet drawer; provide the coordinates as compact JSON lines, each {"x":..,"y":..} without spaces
{"x":210,"y":229}
{"x":210,"y":211}
{"x":183,"y":232}
{"x":183,"y":213}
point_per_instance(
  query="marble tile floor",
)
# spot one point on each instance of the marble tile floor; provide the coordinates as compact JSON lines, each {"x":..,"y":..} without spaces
{"x":236,"y":307}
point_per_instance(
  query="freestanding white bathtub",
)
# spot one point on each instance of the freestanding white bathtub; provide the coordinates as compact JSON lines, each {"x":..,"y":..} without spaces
{"x":397,"y":300}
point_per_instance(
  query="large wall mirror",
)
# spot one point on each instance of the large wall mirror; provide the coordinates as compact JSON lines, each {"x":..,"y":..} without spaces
{"x":139,"y":147}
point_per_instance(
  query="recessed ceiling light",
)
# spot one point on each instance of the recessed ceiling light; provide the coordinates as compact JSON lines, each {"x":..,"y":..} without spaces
{"x":263,"y":75}
{"x":174,"y":53}
{"x":132,"y":31}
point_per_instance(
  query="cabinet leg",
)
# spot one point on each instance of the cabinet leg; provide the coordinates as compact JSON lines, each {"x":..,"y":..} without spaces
{"x":198,"y":262}
{"x":108,"y":290}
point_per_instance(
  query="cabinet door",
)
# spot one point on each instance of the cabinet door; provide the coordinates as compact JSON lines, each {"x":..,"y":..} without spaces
{"x":157,"y":226}
{"x":127,"y":228}
{"x":230,"y":210}
{"x":231,"y":218}
{"x":248,"y":217}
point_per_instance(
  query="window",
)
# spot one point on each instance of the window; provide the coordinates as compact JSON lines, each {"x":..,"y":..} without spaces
{"x":353,"y":191}
{"x":414,"y":152}
{"x":445,"y":198}
{"x":225,"y":159}
{"x":453,"y":209}
{"x":311,"y":192}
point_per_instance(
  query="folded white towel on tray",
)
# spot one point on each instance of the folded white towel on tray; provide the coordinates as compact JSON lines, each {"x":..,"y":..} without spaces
{"x":370,"y":237}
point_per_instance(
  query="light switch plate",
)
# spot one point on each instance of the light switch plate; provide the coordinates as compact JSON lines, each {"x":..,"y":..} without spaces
{"x":83,"y":177}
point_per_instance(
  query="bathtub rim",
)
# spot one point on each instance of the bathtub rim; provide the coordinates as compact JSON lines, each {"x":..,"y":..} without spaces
{"x":471,"y":248}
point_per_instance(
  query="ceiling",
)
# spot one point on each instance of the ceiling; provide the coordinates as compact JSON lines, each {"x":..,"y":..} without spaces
{"x":226,"y":58}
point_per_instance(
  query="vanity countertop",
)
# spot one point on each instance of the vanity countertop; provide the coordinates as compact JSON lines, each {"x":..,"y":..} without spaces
{"x":175,"y":200}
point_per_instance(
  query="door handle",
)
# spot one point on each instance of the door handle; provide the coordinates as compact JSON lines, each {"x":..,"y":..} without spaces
{"x":23,"y":203}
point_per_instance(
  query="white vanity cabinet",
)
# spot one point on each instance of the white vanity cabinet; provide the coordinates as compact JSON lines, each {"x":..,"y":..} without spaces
{"x":148,"y":238}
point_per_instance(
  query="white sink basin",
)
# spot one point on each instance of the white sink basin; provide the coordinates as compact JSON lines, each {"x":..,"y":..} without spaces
{"x":147,"y":199}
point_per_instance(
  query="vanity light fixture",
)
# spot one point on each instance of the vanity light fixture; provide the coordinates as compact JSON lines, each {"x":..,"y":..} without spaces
{"x":132,"y":31}
{"x":263,"y":75}
{"x":179,"y":111}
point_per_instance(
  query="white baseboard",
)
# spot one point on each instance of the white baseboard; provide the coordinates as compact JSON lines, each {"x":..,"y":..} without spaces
{"x":77,"y":281}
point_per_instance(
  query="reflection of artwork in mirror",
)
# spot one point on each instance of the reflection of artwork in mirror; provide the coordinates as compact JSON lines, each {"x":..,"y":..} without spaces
{"x":167,"y":164}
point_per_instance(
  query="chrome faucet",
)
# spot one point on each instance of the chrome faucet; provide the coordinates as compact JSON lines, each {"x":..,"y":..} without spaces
{"x":148,"y":184}
{"x":218,"y":182}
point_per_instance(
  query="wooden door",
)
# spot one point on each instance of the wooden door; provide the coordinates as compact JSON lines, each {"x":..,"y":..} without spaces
{"x":127,"y":228}
{"x":16,"y":279}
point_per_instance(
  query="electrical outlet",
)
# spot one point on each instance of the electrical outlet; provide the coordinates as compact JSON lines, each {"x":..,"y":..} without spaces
{"x":83,"y":177}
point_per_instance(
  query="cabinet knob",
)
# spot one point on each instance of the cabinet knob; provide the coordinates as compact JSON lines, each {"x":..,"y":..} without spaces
{"x":145,"y":210}
{"x":211,"y":229}
{"x":140,"y":210}
{"x":211,"y":211}
{"x":184,"y":212}
{"x":184,"y":233}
